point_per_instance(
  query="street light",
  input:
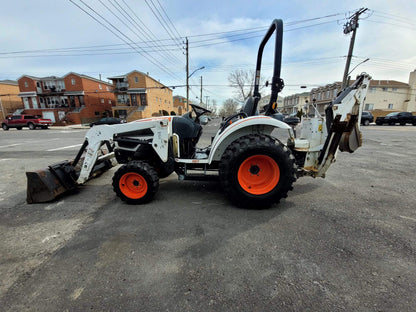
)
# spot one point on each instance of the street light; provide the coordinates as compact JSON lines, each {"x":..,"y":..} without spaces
{"x":187,"y":86}
{"x":367,"y":59}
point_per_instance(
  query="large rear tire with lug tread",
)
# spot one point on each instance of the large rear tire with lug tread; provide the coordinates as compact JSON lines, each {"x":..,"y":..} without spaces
{"x":136,"y":182}
{"x":257,"y":171}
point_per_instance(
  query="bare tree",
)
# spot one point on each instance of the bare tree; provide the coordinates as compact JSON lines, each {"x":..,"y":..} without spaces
{"x":243,"y":83}
{"x":229,"y":107}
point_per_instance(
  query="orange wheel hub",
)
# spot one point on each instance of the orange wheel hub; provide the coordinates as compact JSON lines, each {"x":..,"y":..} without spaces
{"x":133,"y":185}
{"x":258,"y":174}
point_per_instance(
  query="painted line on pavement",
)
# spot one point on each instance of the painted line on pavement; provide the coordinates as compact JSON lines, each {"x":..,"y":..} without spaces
{"x":62,"y":148}
{"x":10,"y":145}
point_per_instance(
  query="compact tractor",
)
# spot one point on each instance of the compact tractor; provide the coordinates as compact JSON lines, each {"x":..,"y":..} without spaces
{"x":255,"y":168}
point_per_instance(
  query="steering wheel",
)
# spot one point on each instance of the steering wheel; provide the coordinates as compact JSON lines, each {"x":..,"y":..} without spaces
{"x":226,"y":122}
{"x":199,"y":111}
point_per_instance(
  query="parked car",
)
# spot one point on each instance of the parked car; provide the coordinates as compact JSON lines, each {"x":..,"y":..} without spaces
{"x":292,"y":119}
{"x":366,"y":118}
{"x":20,"y":121}
{"x":107,"y":121}
{"x":397,"y":117}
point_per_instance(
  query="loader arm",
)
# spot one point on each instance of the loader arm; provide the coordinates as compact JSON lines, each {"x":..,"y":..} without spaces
{"x":47,"y":184}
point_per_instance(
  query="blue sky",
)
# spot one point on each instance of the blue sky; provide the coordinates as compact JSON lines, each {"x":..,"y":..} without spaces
{"x":313,"y":51}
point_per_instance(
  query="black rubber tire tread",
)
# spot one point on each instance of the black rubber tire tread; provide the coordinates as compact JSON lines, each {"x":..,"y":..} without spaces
{"x":5,"y":127}
{"x":146,"y":171}
{"x":245,"y":147}
{"x":31,"y":126}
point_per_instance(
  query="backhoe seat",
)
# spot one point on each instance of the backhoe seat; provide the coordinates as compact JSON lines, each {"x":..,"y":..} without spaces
{"x":249,"y":107}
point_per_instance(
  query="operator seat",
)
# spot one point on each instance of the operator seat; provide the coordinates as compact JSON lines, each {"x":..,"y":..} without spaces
{"x":189,"y":132}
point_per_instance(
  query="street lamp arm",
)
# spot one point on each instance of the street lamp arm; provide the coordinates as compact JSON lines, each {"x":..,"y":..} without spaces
{"x":195,"y":71}
{"x":367,"y":59}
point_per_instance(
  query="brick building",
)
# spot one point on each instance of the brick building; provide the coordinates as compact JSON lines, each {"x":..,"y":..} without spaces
{"x":9,"y":101}
{"x":140,"y":96}
{"x":71,"y":99}
{"x":179,"y":102}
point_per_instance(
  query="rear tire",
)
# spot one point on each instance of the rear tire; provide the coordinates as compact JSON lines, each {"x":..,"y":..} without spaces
{"x":136,"y":182}
{"x":31,"y":126}
{"x":366,"y":122}
{"x":5,"y":127}
{"x":257,"y":172}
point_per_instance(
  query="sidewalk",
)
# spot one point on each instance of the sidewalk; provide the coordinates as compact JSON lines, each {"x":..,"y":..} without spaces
{"x":79,"y":126}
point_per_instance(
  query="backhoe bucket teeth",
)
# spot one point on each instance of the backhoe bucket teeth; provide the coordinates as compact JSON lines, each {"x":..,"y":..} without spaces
{"x":46,"y":185}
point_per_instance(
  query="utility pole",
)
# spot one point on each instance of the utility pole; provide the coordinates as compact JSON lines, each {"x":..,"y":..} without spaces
{"x":187,"y":75}
{"x":351,"y":25}
{"x":200,"y":98}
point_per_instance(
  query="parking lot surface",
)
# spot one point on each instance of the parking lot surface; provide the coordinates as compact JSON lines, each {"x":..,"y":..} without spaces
{"x":346,"y":242}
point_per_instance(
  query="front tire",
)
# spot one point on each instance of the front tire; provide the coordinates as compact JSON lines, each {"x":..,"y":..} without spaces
{"x":31,"y":126}
{"x":136,"y":182}
{"x":257,"y":172}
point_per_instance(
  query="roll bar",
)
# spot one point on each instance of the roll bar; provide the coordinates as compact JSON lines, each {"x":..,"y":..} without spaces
{"x":277,"y":83}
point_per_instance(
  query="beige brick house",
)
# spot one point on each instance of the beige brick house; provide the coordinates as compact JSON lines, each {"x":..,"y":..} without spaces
{"x":9,"y":101}
{"x":140,"y":96}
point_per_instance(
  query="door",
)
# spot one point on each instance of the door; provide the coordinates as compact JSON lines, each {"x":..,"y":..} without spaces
{"x":35,"y":102}
{"x":26,"y":103}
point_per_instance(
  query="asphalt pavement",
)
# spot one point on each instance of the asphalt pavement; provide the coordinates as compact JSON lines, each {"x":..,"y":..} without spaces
{"x":346,"y":242}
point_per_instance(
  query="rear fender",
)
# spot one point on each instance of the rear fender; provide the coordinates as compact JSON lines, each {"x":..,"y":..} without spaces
{"x":242,"y":127}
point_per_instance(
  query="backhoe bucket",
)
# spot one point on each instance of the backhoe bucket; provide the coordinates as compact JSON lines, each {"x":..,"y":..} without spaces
{"x":46,"y":185}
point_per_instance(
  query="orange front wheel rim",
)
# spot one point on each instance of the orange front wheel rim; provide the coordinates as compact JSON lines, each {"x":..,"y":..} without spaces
{"x":133,"y":185}
{"x":258,"y":174}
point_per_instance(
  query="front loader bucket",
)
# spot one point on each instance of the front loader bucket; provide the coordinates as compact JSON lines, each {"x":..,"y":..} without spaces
{"x":45,"y":185}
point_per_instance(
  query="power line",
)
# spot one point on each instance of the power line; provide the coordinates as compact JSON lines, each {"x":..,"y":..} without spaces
{"x":160,"y":66}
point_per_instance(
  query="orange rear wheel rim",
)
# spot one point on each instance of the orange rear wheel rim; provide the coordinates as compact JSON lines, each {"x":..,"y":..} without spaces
{"x":133,"y":185}
{"x":258,"y":174}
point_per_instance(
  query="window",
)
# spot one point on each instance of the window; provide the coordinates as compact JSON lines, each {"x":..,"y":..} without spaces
{"x":369,"y":107}
{"x":102,"y":101}
{"x":394,"y":89}
{"x":390,"y":106}
{"x":100,"y":86}
{"x":37,"y":84}
{"x":107,"y":88}
{"x":73,"y":81}
{"x":97,"y":113}
{"x":26,"y":84}
{"x":109,"y":101}
{"x":373,"y":89}
{"x":136,"y":79}
{"x":385,"y":89}
{"x":328,"y":94}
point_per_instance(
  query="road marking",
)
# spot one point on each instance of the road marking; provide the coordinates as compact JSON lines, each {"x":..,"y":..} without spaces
{"x":10,"y":145}
{"x":62,"y":148}
{"x":4,"y":159}
{"x":408,"y":218}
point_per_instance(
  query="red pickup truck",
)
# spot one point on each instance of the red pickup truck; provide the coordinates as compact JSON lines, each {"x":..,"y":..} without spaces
{"x":20,"y":121}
